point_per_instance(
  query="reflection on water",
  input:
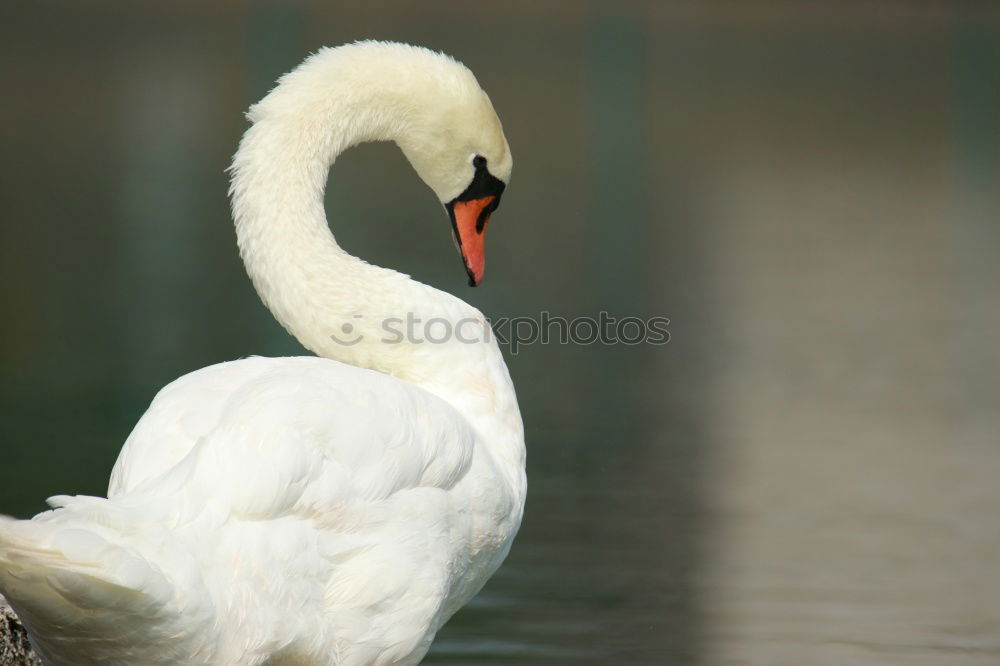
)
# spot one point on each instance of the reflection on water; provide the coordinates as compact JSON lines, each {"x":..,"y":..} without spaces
{"x":806,"y":474}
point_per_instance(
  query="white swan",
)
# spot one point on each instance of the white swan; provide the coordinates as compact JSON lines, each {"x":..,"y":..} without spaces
{"x":333,"y":510}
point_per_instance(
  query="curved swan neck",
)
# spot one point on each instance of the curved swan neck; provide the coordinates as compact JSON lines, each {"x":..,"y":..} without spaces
{"x":335,"y":304}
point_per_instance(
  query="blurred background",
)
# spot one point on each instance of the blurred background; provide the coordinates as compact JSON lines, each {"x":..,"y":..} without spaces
{"x":808,"y":473}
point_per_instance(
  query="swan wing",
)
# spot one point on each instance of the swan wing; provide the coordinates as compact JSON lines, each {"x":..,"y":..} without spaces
{"x":324,"y":500}
{"x":299,"y":505}
{"x":365,"y":433}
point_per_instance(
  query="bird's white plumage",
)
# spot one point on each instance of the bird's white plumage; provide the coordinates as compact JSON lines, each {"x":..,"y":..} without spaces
{"x":301,"y":510}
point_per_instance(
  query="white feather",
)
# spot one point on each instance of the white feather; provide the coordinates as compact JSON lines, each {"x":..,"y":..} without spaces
{"x":331,"y":510}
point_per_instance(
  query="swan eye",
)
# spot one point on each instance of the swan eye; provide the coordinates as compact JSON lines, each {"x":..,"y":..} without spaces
{"x":479,"y":162}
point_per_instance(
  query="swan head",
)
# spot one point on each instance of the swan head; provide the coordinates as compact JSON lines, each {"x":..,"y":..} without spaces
{"x":455,"y":142}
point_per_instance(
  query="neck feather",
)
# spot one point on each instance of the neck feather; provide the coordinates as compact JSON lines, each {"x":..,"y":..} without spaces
{"x":335,"y":304}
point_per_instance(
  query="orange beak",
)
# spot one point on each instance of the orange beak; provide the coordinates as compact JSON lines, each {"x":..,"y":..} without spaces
{"x":469,"y":220}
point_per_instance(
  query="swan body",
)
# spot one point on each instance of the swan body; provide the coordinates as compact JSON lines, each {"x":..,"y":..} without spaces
{"x":335,"y":509}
